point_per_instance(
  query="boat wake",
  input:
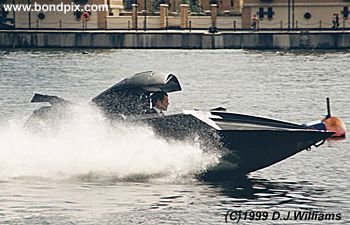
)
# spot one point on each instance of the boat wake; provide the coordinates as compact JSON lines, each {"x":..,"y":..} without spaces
{"x":89,"y":148}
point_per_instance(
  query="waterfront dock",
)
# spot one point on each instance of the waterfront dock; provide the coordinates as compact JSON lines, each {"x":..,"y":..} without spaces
{"x":175,"y":39}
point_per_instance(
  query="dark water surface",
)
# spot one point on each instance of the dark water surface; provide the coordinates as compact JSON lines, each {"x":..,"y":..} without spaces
{"x":90,"y":173}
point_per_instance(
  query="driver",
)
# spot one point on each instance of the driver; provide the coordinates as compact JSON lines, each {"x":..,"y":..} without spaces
{"x":160,"y":102}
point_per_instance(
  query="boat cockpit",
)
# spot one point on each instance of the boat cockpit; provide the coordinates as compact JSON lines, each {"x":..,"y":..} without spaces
{"x":132,"y":95}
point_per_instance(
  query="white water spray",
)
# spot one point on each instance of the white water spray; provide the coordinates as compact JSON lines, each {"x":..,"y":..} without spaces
{"x":88,"y":146}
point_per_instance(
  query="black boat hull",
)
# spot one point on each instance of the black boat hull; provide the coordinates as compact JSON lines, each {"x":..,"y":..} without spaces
{"x":253,"y":150}
{"x":243,"y":150}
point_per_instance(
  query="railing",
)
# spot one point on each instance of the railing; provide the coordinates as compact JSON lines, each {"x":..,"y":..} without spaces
{"x":223,"y":24}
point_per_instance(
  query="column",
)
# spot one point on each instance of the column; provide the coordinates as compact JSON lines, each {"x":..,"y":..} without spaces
{"x":213,"y":14}
{"x":134,"y":16}
{"x":163,"y":15}
{"x":184,"y":16}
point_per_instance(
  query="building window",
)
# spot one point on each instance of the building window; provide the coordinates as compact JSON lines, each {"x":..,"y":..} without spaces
{"x":261,"y":13}
{"x":270,"y":13}
{"x":346,"y":11}
{"x":81,"y":2}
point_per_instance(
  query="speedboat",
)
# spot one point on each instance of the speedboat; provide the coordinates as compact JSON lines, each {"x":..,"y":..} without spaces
{"x":247,"y":143}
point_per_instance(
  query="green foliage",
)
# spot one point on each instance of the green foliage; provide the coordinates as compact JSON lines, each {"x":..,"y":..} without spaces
{"x":194,"y":6}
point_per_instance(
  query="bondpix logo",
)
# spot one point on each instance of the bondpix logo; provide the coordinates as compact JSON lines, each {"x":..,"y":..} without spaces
{"x":65,"y":8}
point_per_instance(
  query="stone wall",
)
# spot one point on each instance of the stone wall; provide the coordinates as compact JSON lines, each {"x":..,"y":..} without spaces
{"x":176,"y":39}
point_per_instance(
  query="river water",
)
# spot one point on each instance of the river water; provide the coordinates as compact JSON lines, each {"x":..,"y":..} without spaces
{"x":91,"y":173}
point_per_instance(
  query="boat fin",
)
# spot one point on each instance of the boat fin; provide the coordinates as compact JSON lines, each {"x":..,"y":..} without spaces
{"x":218,"y":109}
{"x":53,"y":100}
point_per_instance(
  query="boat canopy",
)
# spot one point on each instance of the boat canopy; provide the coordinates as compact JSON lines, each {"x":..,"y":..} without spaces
{"x":132,"y":95}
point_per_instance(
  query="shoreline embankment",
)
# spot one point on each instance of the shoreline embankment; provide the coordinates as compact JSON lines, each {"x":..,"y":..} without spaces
{"x":175,"y":39}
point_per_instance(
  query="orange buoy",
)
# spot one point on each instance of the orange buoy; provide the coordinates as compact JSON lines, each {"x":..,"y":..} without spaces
{"x":330,"y":123}
{"x":334,"y":124}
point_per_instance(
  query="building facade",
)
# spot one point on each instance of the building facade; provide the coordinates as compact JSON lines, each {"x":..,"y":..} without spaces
{"x":296,"y":13}
{"x":231,"y":14}
{"x":195,"y":5}
{"x":51,"y":14}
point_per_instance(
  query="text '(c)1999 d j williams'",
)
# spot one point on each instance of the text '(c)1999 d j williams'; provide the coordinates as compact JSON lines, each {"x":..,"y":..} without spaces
{"x":239,"y":215}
